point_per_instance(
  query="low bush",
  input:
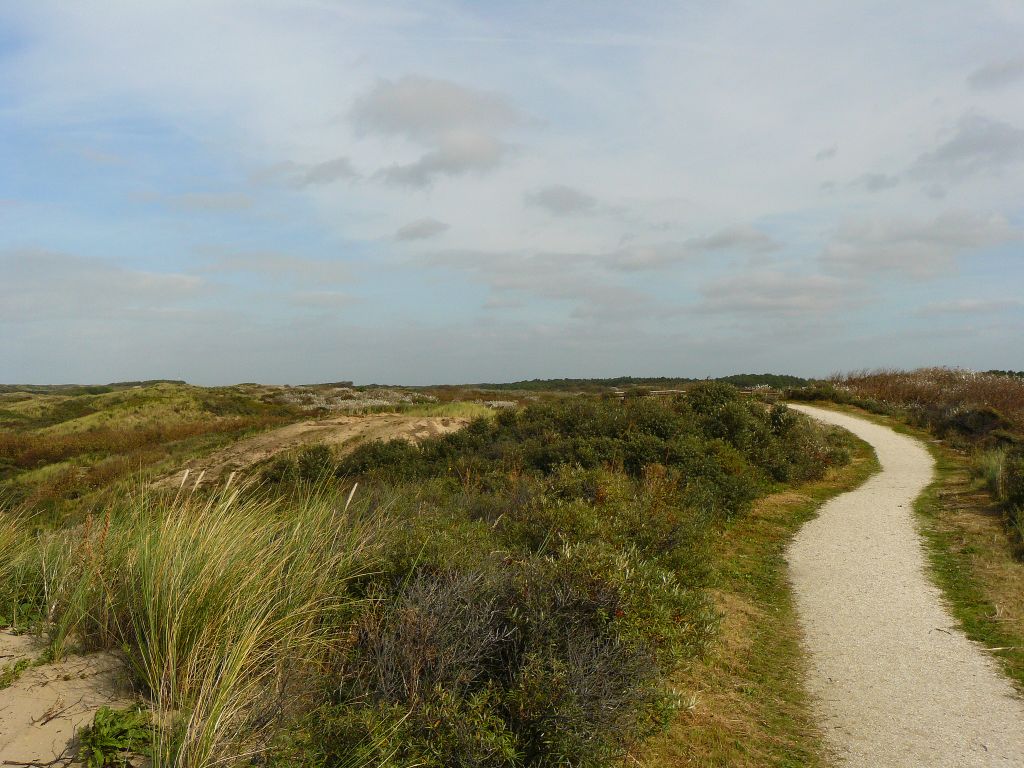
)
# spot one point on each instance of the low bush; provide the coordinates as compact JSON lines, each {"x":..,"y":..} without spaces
{"x":712,"y":433}
{"x":555,"y":660}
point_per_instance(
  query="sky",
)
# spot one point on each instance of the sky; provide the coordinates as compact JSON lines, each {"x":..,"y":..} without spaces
{"x":441,"y":192}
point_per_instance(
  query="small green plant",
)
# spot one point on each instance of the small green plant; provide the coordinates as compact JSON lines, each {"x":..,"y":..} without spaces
{"x":9,"y":673}
{"x":114,"y":736}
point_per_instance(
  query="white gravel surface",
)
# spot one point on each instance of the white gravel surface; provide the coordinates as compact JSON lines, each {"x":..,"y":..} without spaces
{"x":896,"y":683}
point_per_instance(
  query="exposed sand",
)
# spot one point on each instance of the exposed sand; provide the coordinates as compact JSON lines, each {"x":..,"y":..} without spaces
{"x":896,"y":682}
{"x":42,"y":711}
{"x":347,"y":431}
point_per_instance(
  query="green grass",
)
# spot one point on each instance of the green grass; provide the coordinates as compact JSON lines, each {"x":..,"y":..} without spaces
{"x":954,"y":566}
{"x":751,"y":708}
{"x":455,"y":409}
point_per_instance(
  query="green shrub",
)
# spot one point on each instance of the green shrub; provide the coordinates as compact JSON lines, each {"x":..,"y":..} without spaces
{"x":315,"y":463}
{"x":1013,"y":479}
{"x":550,"y":660}
{"x":281,"y":470}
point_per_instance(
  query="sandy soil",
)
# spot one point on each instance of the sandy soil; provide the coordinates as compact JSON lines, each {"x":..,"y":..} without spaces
{"x":42,"y":711}
{"x":896,"y":682}
{"x":347,"y":431}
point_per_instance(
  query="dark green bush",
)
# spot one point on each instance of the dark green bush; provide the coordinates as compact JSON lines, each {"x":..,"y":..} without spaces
{"x":315,"y":463}
{"x":281,"y":470}
{"x":1013,"y":486}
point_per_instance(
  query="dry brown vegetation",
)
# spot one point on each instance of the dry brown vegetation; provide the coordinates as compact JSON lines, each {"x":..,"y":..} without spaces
{"x":940,"y":389}
{"x":29,"y":450}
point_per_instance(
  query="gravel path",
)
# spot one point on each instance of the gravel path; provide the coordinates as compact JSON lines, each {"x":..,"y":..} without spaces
{"x":896,"y":682}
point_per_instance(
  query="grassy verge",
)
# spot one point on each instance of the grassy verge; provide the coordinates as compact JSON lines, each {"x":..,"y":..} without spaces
{"x":973,"y":561}
{"x":751,"y":708}
{"x":971,"y":557}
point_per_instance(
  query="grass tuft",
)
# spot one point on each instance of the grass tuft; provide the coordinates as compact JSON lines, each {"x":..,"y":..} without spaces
{"x":219,"y":605}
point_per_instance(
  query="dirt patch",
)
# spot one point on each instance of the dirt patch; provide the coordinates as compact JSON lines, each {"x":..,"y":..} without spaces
{"x":339,"y":431}
{"x":45,"y":706}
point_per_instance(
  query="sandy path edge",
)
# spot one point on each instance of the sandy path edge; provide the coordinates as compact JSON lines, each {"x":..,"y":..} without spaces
{"x":895,"y":681}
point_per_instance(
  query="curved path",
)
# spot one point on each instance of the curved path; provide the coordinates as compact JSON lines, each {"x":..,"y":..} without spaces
{"x":896,"y":682}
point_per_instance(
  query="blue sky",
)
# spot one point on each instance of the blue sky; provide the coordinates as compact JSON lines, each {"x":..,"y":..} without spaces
{"x":428,"y":192}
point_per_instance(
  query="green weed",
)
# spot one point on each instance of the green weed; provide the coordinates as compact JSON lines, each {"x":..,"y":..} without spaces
{"x":115,"y":736}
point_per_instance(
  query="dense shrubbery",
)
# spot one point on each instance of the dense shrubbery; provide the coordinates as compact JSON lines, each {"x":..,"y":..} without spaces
{"x":544,"y":576}
{"x":712,"y":436}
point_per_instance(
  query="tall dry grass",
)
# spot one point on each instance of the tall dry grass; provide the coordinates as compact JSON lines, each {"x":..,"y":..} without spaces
{"x":221,"y":606}
{"x":940,"y":388}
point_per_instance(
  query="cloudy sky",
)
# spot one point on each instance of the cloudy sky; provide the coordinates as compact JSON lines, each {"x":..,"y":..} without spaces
{"x":310,"y":190}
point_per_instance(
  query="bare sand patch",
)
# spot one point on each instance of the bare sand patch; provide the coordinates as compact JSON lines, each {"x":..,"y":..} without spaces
{"x":43,"y":709}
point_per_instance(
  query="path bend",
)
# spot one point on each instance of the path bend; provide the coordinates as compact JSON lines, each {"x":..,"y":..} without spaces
{"x":896,"y":683}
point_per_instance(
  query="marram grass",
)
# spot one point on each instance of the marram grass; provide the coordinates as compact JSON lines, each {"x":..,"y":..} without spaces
{"x":219,"y":605}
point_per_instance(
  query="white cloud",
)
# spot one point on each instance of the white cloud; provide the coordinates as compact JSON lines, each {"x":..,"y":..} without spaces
{"x":912,"y":246}
{"x":461,"y":127}
{"x":301,"y":175}
{"x":421,"y":229}
{"x":876,"y":182}
{"x":741,"y":238}
{"x":278,"y":267}
{"x":979,"y":145}
{"x":41,"y":286}
{"x":562,"y":200}
{"x":998,"y":73}
{"x":970,"y":306}
{"x":770,"y":293}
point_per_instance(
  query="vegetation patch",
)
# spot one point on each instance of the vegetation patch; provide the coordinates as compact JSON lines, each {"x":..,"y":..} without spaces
{"x":10,"y":673}
{"x":978,"y":569}
{"x":547,"y":577}
{"x":115,"y":737}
